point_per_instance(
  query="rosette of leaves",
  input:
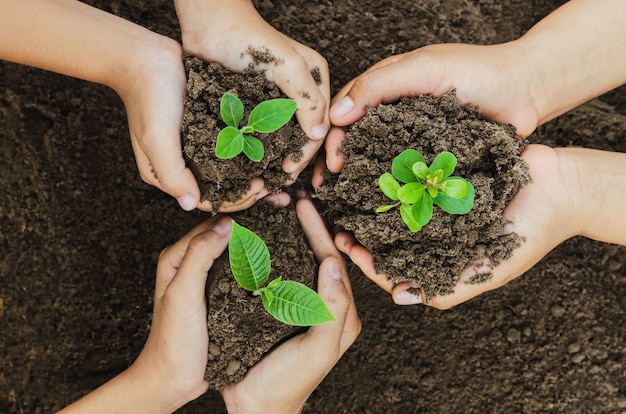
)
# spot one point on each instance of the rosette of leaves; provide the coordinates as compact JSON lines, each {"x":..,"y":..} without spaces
{"x":289,"y":302}
{"x":268,"y":116}
{"x":415,"y":187}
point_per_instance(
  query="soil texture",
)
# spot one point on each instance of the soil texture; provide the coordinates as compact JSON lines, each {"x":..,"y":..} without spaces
{"x":80,"y":235}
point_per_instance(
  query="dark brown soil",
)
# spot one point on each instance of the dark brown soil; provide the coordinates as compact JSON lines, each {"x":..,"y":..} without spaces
{"x":488,"y":156}
{"x":80,"y":236}
{"x":240,"y":330}
{"x":227,"y":180}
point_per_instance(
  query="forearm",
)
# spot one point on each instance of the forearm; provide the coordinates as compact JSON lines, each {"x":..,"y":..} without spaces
{"x":71,"y":38}
{"x":596,"y":181}
{"x":574,"y":54}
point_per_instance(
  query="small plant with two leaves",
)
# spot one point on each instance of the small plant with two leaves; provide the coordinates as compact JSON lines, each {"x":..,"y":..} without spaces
{"x":422,"y":186}
{"x":268,"y":116}
{"x":289,"y":302}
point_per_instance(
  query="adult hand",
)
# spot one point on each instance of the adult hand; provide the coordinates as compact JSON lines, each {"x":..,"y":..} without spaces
{"x":569,"y":186}
{"x":296,"y":368}
{"x":233,"y":34}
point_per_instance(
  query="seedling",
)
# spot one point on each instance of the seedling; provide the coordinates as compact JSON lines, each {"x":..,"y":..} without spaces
{"x":423,"y":187}
{"x":289,"y":302}
{"x":268,"y":116}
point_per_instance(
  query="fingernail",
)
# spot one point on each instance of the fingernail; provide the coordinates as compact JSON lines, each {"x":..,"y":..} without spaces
{"x":187,"y":202}
{"x":319,"y":131}
{"x":341,"y":108}
{"x":222,"y":227}
{"x":407,"y":298}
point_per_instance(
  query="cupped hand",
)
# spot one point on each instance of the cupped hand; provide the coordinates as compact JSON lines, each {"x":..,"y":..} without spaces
{"x":542,"y":213}
{"x":236,"y":36}
{"x":486,"y":76}
{"x":283,"y":380}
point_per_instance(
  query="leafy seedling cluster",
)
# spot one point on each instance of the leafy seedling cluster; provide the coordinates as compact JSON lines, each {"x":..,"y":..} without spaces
{"x":424,"y":186}
{"x":268,"y":116}
{"x":289,"y":302}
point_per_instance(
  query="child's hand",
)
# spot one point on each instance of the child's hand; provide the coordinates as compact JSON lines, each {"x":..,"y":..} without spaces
{"x":233,"y":34}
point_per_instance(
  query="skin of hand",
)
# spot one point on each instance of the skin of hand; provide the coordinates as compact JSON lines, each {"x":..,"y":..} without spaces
{"x":144,"y":68}
{"x":230,"y":32}
{"x":574,"y":191}
{"x":283,"y":380}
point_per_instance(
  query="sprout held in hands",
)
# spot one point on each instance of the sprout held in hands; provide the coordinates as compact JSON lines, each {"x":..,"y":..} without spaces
{"x":289,"y":302}
{"x":268,"y":116}
{"x":423,"y":187}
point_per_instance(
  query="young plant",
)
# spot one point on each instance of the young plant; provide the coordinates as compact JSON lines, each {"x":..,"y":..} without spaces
{"x":268,"y":116}
{"x":289,"y":302}
{"x":424,"y":186}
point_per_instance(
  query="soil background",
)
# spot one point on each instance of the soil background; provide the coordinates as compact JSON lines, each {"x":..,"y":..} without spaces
{"x":80,"y":236}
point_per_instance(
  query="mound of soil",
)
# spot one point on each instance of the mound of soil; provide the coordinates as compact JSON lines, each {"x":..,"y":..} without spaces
{"x":240,"y":330}
{"x":488,"y":156}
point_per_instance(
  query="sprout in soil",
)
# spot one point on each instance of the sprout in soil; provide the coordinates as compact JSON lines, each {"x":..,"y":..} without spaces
{"x":268,"y":116}
{"x":424,"y":186}
{"x":289,"y":302}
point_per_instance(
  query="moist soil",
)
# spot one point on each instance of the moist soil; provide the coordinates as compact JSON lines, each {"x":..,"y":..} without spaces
{"x":488,"y":156}
{"x":81,"y":233}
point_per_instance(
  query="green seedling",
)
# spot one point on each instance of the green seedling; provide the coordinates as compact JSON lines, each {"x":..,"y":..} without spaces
{"x":268,"y":116}
{"x":424,"y":186}
{"x":289,"y":302}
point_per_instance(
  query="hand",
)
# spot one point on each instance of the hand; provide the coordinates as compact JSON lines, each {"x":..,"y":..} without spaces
{"x":235,"y":35}
{"x":544,"y":213}
{"x":283,"y":380}
{"x":482,"y":75}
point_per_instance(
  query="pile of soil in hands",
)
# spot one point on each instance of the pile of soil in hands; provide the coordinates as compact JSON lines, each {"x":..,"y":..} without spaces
{"x":488,"y":156}
{"x":223,"y":180}
{"x":240,"y":329}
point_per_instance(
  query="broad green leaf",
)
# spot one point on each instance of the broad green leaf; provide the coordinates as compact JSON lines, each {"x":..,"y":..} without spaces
{"x":253,"y":148}
{"x":420,"y":170}
{"x":249,"y":258}
{"x":229,"y":143}
{"x":455,"y":187}
{"x":389,"y":186}
{"x":402,"y":165}
{"x":407,"y":217}
{"x":231,"y":110}
{"x":445,"y":161}
{"x":386,"y":207}
{"x":270,"y":115}
{"x":433,"y":192}
{"x":422,"y":212}
{"x":456,"y":205}
{"x":296,"y":304}
{"x":411,"y":193}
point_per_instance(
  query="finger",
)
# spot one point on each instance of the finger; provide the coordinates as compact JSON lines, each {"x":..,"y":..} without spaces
{"x":319,"y":170}
{"x":334,"y":157}
{"x":190,"y":280}
{"x":256,"y":192}
{"x":172,"y":256}
{"x":364,"y":260}
{"x":307,"y":152}
{"x":161,"y":164}
{"x":278,"y":200}
{"x":315,"y":230}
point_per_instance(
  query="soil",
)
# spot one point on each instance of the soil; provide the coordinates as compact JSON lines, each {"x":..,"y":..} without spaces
{"x":80,"y":236}
{"x":240,"y":330}
{"x":488,"y":156}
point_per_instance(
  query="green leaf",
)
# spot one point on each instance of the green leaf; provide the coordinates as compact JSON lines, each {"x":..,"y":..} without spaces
{"x":456,"y":205}
{"x":445,"y":161}
{"x":229,"y":143}
{"x":249,"y":258}
{"x":420,"y":170}
{"x":389,"y":186}
{"x":386,"y":207}
{"x":411,"y":193}
{"x":455,"y":187}
{"x":433,"y":192}
{"x":296,"y":304}
{"x":422,"y":212}
{"x":231,"y":109}
{"x":407,"y":217}
{"x":402,"y":165}
{"x":253,"y":148}
{"x":270,"y":115}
